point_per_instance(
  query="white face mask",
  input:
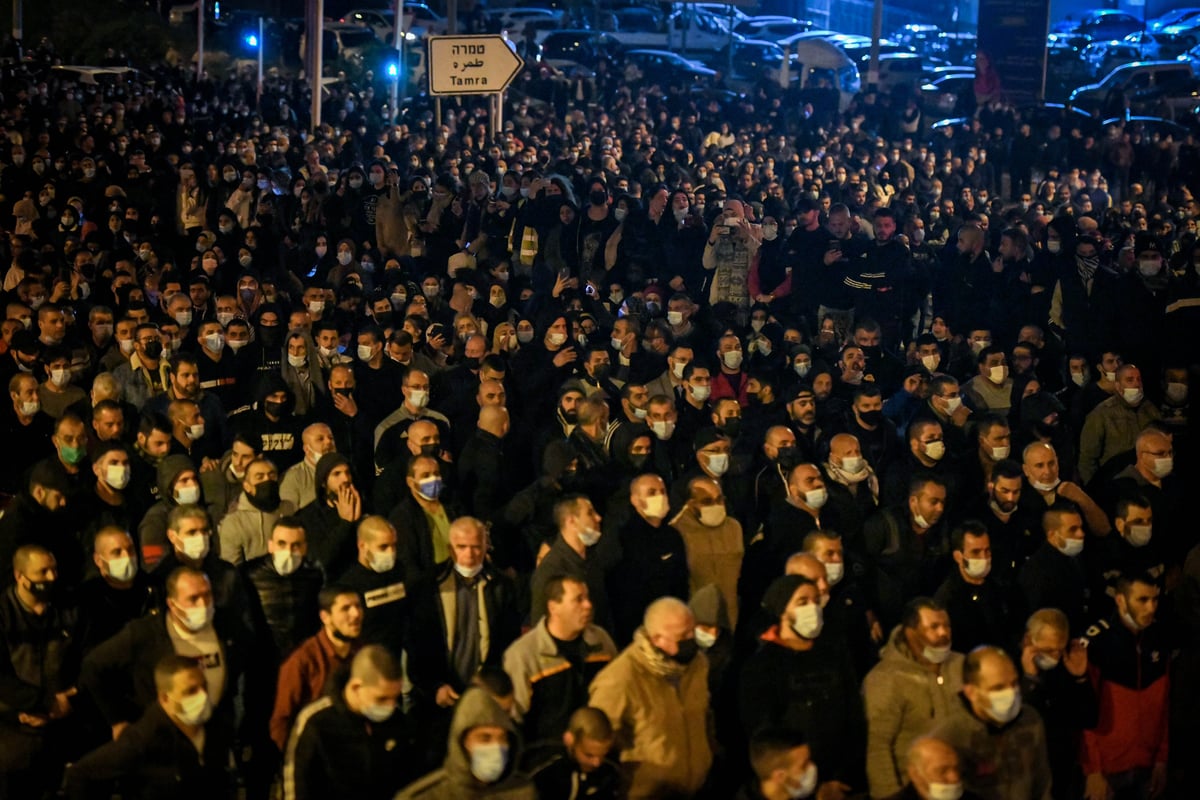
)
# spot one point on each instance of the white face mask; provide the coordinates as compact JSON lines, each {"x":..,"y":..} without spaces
{"x":196,"y":432}
{"x":382,"y":561}
{"x":344,"y":258}
{"x":801,"y":368}
{"x":997,"y":375}
{"x":556,"y":339}
{"x":117,"y":475}
{"x":296,"y":362}
{"x":935,"y":450}
{"x":834,"y":572}
{"x":488,"y":762}
{"x":195,"y":710}
{"x":1079,"y":378}
{"x":718,"y":463}
{"x":657,"y":505}
{"x":126,"y":346}
{"x":365,"y":352}
{"x":935,"y":655}
{"x":214,"y":342}
{"x":1163,"y":466}
{"x":805,"y":786}
{"x":1071,"y":547}
{"x":30,"y":407}
{"x":931,"y":363}
{"x":977,"y":567}
{"x":732,"y":358}
{"x":468,"y":572}
{"x":1000,"y":453}
{"x":186,"y":496}
{"x":418,"y":398}
{"x":701,"y":393}
{"x":853,"y":465}
{"x":286,"y":562}
{"x":675,"y":318}
{"x":677,"y":370}
{"x":1053,"y":246}
{"x":1004,"y":705}
{"x":1139,"y":535}
{"x":1046,"y":487}
{"x":704,"y":639}
{"x":195,"y":547}
{"x":815,"y":498}
{"x":945,"y":791}
{"x":953,"y":404}
{"x":663,"y":429}
{"x":1045,"y":662}
{"x":122,"y":569}
{"x":1132,"y":396}
{"x":60,"y":377}
{"x":712,"y":516}
{"x":807,"y":620}
{"x":198,"y":618}
{"x":769,"y":232}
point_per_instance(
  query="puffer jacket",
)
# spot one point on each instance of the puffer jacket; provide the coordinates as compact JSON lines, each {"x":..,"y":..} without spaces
{"x":903,"y":700}
{"x":659,"y":712}
{"x":288,"y":603}
{"x":454,"y":780}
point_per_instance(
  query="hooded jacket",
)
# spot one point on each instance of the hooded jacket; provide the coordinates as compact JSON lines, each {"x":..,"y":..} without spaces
{"x":903,"y":700}
{"x":152,"y":532}
{"x":278,"y":440}
{"x":454,"y":781}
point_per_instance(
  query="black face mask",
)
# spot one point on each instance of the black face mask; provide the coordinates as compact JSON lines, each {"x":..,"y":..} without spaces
{"x":598,"y":198}
{"x":42,"y":590}
{"x":873,"y":352}
{"x":471,"y":362}
{"x":686,"y":654}
{"x":154,"y":350}
{"x":430,"y":450}
{"x":638,"y":460}
{"x":269,"y":335}
{"x":787,"y":457}
{"x":266,"y":496}
{"x":344,"y":392}
{"x":601,"y":371}
{"x":733,"y":426}
{"x":871,"y":417}
{"x":274,"y":407}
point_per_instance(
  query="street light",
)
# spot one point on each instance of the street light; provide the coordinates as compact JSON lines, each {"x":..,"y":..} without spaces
{"x":255,"y":42}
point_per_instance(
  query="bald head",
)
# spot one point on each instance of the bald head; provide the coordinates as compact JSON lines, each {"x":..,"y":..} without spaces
{"x":494,"y":420}
{"x":373,"y":528}
{"x":491,"y":393}
{"x":809,"y":566}
{"x":665,"y":615}
{"x":929,"y":761}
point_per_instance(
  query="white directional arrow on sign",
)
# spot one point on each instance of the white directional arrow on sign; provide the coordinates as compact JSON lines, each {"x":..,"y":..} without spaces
{"x":471,"y":64}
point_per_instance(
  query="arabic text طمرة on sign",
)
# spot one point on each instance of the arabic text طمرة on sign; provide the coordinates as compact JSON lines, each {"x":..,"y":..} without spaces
{"x":471,"y":64}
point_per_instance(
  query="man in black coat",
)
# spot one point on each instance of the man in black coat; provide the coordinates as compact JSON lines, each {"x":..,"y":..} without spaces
{"x":379,"y":577}
{"x":653,"y":560}
{"x":422,"y":520}
{"x":482,"y":477}
{"x":286,"y":584}
{"x":119,"y":674}
{"x":156,"y":757}
{"x":980,"y":612}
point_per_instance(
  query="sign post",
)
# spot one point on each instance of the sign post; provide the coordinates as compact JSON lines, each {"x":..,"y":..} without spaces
{"x":461,"y":65}
{"x":471,"y":65}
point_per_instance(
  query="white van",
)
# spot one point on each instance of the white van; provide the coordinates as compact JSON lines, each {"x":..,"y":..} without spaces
{"x":816,"y":59}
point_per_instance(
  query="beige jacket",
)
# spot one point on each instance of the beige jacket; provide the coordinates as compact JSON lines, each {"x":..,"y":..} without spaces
{"x":903,"y":700}
{"x":714,"y":556}
{"x":659,"y":712}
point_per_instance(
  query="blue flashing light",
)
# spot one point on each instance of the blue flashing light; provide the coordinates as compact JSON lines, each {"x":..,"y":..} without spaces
{"x":392,"y":71}
{"x":252,"y":39}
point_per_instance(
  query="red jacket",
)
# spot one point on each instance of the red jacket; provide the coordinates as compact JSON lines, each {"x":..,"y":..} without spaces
{"x":1131,"y":675}
{"x":302,"y":679}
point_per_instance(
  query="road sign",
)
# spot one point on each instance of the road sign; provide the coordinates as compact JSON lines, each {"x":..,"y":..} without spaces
{"x":471,"y":64}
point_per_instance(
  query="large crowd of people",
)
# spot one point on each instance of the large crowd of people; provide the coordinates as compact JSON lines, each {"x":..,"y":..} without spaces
{"x":656,"y":445}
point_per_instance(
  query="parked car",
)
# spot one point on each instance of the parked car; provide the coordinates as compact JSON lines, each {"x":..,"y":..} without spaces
{"x":567,"y":49}
{"x":668,"y":67}
{"x":688,"y":30}
{"x":1133,"y":79}
{"x":753,"y":59}
{"x":944,"y":95}
{"x":1104,"y":57}
{"x":1153,"y":125}
{"x":380,"y":20}
{"x":1173,"y":17}
{"x":1104,"y":24}
{"x":772,"y":29}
